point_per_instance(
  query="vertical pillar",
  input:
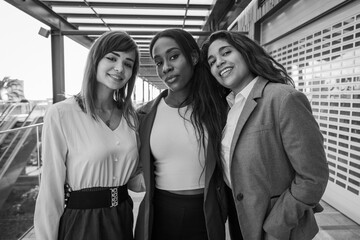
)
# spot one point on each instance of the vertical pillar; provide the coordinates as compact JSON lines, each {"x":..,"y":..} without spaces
{"x":57,"y":57}
{"x":143,"y":95}
{"x":152,"y":91}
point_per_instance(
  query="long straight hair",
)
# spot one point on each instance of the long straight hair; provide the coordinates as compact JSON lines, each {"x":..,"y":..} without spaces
{"x":106,"y":43}
{"x":208,"y":105}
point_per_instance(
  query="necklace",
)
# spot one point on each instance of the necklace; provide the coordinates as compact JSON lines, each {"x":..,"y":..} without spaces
{"x":109,"y":120}
{"x":101,"y":115}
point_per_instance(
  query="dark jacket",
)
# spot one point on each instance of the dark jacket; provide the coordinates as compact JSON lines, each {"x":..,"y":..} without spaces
{"x":214,"y":195}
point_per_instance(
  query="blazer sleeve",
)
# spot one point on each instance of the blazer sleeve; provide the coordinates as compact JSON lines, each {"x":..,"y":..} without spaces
{"x":136,"y":182}
{"x":303,"y":144}
{"x":50,"y":201}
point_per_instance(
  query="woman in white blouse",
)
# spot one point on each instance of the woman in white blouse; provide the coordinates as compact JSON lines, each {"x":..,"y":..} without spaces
{"x":90,"y":146}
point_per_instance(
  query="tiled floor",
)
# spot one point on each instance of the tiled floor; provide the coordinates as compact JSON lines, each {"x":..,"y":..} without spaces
{"x":333,"y":225}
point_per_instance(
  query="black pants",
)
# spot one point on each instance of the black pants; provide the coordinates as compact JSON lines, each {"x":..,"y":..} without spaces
{"x":234,"y":226}
{"x":178,"y":217}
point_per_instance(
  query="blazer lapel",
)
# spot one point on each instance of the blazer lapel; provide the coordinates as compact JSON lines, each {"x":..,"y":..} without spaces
{"x":210,"y":166}
{"x":147,"y":116}
{"x":249,"y":107}
{"x":149,"y":112}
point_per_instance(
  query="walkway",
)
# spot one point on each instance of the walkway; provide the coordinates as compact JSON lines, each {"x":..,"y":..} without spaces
{"x":333,"y":225}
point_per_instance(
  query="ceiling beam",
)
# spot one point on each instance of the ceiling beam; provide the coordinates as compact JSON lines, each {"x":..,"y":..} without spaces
{"x":132,"y":16}
{"x":134,"y":5}
{"x":136,"y":25}
{"x":85,"y":32}
{"x":44,"y":14}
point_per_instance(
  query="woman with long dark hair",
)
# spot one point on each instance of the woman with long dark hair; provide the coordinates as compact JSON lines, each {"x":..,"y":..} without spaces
{"x":180,"y":134}
{"x":273,"y":157}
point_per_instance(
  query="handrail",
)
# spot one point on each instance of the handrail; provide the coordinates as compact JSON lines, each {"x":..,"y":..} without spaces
{"x":3,"y":113}
{"x":10,"y":109}
{"x":6,"y":113}
{"x":36,"y":125}
{"x":30,"y":127}
{"x":21,"y":128}
{"x":26,"y":233}
{"x":9,"y":124}
{"x":14,"y":151}
{"x":29,"y":114}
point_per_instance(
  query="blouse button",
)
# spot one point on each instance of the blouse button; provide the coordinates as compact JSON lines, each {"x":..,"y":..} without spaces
{"x":114,"y":178}
{"x":117,"y":142}
{"x":116,"y":159}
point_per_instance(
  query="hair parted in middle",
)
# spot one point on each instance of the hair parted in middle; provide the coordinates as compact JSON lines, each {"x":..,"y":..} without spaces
{"x":106,"y":43}
{"x":205,"y":96}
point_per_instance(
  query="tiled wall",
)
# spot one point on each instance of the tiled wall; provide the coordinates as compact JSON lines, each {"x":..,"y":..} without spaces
{"x":326,"y":66}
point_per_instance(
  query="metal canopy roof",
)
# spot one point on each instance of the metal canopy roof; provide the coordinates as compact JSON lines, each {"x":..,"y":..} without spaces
{"x":84,"y":20}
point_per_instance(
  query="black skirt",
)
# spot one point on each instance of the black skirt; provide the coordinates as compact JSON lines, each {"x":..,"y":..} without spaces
{"x":115,"y":223}
{"x":178,"y":217}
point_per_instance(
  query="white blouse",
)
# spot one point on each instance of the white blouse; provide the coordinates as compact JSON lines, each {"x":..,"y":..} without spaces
{"x":82,"y":152}
{"x":236,"y":103}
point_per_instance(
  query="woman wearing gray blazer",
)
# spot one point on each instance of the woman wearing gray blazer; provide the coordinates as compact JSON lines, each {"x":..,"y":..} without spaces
{"x":272,"y":148}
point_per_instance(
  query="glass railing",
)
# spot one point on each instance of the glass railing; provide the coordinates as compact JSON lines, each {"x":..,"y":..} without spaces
{"x":12,"y":110}
{"x":20,"y":164}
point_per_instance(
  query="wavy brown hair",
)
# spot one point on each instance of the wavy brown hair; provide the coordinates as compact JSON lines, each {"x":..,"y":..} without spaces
{"x":259,"y":62}
{"x":106,"y":43}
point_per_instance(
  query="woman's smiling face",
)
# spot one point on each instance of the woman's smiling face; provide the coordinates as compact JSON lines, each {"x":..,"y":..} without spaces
{"x":228,"y":66}
{"x":115,"y":69}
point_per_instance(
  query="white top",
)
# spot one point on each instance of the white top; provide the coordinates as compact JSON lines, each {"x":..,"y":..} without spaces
{"x":236,"y":104}
{"x":83,"y":152}
{"x":179,"y":163}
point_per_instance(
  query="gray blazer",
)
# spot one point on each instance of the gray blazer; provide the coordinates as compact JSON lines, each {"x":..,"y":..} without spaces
{"x":278,"y":166}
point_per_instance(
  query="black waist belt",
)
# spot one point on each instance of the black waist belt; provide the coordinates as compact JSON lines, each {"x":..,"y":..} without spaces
{"x":99,"y":198}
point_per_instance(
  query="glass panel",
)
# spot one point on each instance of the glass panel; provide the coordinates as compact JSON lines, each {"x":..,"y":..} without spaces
{"x":20,"y":182}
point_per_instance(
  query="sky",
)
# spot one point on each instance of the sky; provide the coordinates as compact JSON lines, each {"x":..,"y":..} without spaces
{"x":26,"y":55}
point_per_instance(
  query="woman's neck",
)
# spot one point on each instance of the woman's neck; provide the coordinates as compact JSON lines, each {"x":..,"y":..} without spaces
{"x":176,"y":99}
{"x":104,"y":98}
{"x":104,"y":103}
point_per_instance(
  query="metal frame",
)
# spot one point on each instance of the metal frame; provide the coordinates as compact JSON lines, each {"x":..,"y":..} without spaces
{"x":220,"y":12}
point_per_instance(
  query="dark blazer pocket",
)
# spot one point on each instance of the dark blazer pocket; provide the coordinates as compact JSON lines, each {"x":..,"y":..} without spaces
{"x":272,"y":202}
{"x":256,"y":129}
